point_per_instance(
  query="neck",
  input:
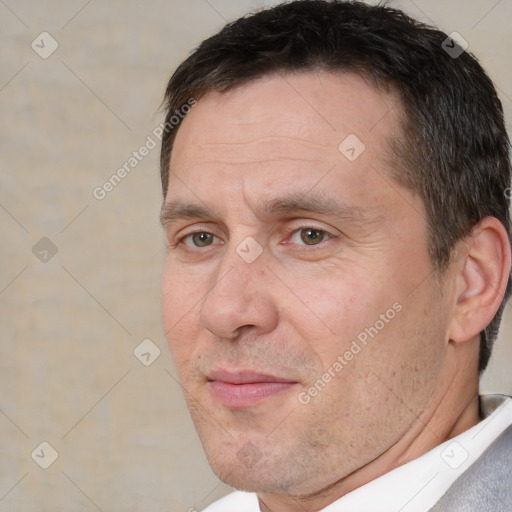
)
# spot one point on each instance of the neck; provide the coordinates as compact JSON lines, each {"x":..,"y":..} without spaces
{"x":453,"y":410}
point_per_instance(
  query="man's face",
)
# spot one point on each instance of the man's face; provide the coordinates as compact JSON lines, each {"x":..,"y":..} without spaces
{"x":298,"y":295}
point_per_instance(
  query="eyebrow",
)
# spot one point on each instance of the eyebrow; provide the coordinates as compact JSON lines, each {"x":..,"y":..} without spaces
{"x":310,"y":203}
{"x":173,"y":211}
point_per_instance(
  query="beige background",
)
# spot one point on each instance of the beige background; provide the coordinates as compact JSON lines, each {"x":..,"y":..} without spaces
{"x":69,"y":326}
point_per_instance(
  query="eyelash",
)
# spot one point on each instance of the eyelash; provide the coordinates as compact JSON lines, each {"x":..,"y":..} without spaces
{"x":298,"y":229}
{"x":289,"y":232}
{"x":199,"y":231}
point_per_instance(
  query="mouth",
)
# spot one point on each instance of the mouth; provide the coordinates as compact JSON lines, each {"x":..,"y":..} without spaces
{"x":238,"y":389}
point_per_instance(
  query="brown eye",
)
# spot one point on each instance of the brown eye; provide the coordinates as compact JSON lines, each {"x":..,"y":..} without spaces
{"x":200,"y":239}
{"x":312,"y":236}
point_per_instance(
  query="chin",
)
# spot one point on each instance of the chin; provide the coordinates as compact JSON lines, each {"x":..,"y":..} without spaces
{"x":240,"y":468}
{"x":248,"y":480}
{"x":238,"y":479}
{"x":243,"y":467}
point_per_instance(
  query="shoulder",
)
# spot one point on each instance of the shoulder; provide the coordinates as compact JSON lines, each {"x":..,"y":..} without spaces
{"x":486,"y":484}
{"x":234,"y":502}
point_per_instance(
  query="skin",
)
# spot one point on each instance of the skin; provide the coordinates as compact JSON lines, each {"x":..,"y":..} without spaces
{"x":297,"y":307}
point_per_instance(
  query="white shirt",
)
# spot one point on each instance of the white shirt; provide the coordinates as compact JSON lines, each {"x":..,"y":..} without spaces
{"x":417,"y":485}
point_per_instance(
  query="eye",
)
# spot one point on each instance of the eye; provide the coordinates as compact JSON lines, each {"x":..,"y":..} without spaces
{"x":200,"y":239}
{"x":309,"y":236}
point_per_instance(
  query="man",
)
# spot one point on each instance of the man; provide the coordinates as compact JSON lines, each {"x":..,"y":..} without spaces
{"x":338,"y":259}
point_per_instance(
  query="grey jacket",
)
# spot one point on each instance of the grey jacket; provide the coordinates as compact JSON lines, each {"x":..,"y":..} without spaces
{"x":486,"y":486}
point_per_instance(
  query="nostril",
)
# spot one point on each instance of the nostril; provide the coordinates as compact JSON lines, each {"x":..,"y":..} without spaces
{"x":240,"y":330}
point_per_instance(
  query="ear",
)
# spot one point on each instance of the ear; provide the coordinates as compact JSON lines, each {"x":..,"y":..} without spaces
{"x":481,"y":280}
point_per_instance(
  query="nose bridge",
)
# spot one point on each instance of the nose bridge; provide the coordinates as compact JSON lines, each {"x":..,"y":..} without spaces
{"x":239,"y":276}
{"x":232,"y":277}
{"x":243,"y":266}
{"x":241,"y":295}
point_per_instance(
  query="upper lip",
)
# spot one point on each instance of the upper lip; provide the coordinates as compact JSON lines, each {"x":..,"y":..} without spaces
{"x":234,"y":376}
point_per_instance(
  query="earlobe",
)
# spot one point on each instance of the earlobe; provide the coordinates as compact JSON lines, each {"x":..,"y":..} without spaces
{"x":482,"y":276}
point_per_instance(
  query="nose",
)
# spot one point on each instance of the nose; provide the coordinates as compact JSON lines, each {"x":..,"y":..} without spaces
{"x":241,"y":299}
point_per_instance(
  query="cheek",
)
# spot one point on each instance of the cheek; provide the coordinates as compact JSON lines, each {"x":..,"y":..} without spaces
{"x":179,"y":308}
{"x":182,"y":289}
{"x":333,"y":308}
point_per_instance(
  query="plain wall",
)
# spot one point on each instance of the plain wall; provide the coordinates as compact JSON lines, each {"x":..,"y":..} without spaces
{"x":69,"y":325}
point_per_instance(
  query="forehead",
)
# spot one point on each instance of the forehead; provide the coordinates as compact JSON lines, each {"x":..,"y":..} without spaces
{"x":285,"y":133}
{"x":313,"y":112}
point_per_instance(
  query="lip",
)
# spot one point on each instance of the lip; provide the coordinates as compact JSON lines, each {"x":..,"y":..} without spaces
{"x":241,"y":389}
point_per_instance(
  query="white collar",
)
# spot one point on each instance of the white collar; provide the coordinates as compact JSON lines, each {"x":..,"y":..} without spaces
{"x":417,"y":485}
